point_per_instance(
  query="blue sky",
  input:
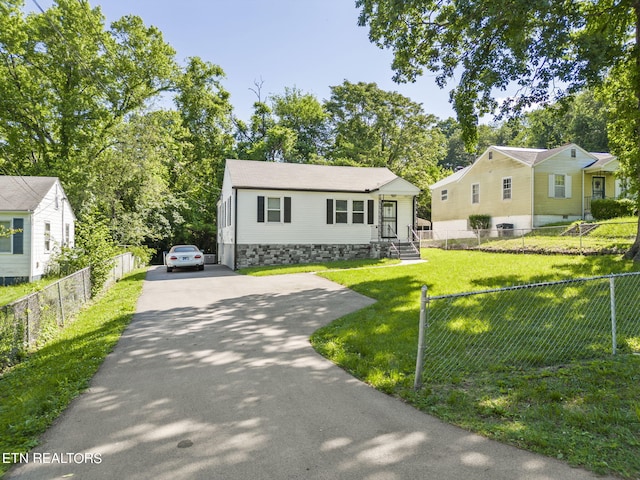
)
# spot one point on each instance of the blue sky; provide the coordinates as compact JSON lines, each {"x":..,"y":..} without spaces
{"x":308,"y":44}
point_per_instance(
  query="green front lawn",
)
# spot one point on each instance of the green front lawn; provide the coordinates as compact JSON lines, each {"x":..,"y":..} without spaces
{"x":585,"y":412}
{"x":11,"y":293}
{"x":316,"y":267}
{"x":34,"y":392}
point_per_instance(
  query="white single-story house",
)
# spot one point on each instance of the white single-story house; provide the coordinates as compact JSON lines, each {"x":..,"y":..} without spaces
{"x":37,"y":210}
{"x":280,"y":213}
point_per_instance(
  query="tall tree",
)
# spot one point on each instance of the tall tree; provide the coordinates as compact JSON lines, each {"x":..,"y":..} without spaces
{"x":537,"y":45}
{"x":264,"y":138}
{"x":205,"y":112}
{"x":581,"y":119}
{"x":66,"y":83}
{"x":376,"y":128}
{"x":135,"y":199}
{"x":304,"y":115}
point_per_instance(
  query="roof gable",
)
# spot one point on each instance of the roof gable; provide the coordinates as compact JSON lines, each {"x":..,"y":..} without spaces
{"x":253,"y":174}
{"x":533,"y":157}
{"x":20,"y":194}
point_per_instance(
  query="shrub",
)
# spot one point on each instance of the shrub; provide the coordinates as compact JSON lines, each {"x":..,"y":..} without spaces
{"x":480,"y":222}
{"x":607,"y":208}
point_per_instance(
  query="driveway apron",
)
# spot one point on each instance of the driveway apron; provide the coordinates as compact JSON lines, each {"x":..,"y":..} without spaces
{"x":215,"y":379}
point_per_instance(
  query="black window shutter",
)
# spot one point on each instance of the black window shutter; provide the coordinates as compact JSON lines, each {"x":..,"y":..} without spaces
{"x":260,"y":208}
{"x":370,"y":212}
{"x":18,"y":238}
{"x":329,"y":210}
{"x":287,"y":209}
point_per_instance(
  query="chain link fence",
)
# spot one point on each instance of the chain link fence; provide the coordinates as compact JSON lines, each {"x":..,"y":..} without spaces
{"x":527,"y":326}
{"x":577,"y":238}
{"x":32,"y":320}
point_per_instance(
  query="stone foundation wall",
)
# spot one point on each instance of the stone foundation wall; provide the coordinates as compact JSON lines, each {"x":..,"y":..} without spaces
{"x":257,"y":255}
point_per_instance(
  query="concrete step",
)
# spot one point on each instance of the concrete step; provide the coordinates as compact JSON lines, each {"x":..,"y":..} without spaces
{"x":406,"y":252}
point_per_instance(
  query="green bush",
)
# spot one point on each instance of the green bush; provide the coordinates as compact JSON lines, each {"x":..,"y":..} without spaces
{"x":480,"y":222}
{"x":607,"y":208}
{"x":141,"y":252}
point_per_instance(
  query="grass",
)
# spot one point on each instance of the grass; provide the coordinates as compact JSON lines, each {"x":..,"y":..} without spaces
{"x":316,"y":267}
{"x":11,"y":293}
{"x":585,"y":412}
{"x":612,"y":237}
{"x":34,"y":392}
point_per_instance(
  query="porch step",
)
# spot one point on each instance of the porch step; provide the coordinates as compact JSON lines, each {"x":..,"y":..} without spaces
{"x":407,"y":252}
{"x":583,"y":229}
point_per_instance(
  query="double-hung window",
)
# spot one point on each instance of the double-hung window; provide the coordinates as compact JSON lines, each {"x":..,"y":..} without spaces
{"x":357,"y":214}
{"x":342,"y":214}
{"x":47,"y":236}
{"x":273,"y":209}
{"x":444,"y":195}
{"x":475,"y":193}
{"x":506,"y":188}
{"x":5,"y":242}
{"x":559,"y":186}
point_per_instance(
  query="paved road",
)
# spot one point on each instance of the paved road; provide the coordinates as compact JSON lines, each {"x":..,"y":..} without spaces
{"x":215,"y":379}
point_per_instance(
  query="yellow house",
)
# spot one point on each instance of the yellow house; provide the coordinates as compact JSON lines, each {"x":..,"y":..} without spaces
{"x":524,"y":187}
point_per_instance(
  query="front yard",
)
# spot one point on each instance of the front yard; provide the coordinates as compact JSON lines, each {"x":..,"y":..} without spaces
{"x":586,"y":412}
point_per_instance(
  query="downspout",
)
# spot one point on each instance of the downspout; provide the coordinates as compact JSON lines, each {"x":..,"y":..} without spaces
{"x":583,"y":217}
{"x":62,"y":226}
{"x":533,"y":196}
{"x":235,"y":228}
{"x":31,"y":246}
{"x":413,"y":217}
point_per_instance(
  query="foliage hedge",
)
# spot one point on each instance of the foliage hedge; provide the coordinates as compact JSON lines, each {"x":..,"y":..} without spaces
{"x":607,"y":208}
{"x":480,"y":222}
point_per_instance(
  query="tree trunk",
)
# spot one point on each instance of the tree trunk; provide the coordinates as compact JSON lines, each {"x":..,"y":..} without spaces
{"x":634,"y":251}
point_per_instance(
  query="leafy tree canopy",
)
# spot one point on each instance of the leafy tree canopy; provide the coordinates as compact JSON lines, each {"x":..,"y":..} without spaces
{"x":547,"y":49}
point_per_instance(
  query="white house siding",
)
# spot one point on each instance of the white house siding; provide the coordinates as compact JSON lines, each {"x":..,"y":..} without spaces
{"x":54,"y":209}
{"x":16,"y":265}
{"x":308,"y":237}
{"x":308,"y":219}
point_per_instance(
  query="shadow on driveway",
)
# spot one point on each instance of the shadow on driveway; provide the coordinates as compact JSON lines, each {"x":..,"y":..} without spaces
{"x":215,"y":379}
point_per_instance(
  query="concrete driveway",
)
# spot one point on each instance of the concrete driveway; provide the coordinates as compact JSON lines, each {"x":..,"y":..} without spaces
{"x":215,"y":379}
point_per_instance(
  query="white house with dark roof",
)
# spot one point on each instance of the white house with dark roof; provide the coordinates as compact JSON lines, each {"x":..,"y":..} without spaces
{"x":281,"y":213}
{"x":37,"y":209}
{"x":524,"y":187}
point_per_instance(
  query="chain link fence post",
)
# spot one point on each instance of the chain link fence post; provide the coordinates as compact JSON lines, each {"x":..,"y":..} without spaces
{"x":612,"y":290}
{"x":417,"y":383}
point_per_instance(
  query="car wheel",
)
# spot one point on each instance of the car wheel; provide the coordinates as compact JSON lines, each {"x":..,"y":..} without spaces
{"x":200,"y":267}
{"x":169,"y":269}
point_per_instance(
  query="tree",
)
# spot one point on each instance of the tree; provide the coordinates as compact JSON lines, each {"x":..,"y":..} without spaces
{"x":538,"y":46}
{"x":375,"y":128}
{"x":304,"y":115}
{"x":581,"y":119}
{"x":264,"y":138}
{"x":135,"y":197}
{"x":66,"y":83}
{"x":205,"y":114}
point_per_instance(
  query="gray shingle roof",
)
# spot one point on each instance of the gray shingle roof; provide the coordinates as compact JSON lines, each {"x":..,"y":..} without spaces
{"x":529,"y":156}
{"x":23,"y":193}
{"x":297,"y":176}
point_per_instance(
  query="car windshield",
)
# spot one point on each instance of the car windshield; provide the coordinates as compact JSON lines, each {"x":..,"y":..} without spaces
{"x":185,"y":249}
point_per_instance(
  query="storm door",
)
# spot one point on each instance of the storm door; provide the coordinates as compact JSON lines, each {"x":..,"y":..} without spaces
{"x":597,"y":187}
{"x":389,"y":218}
